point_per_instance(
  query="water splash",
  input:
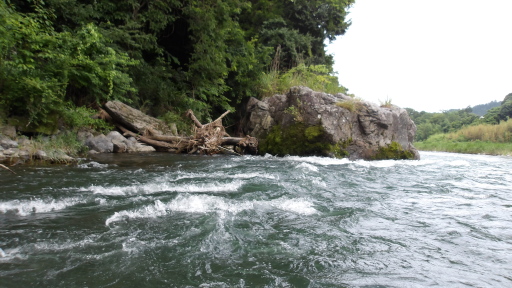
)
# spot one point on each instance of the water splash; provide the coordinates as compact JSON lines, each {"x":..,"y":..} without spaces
{"x":34,"y":206}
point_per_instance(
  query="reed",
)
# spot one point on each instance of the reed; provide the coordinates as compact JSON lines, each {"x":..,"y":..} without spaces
{"x":445,"y":143}
{"x":501,"y":133}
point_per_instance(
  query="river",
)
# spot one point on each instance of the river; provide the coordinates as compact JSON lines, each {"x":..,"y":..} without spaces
{"x":163,"y":220}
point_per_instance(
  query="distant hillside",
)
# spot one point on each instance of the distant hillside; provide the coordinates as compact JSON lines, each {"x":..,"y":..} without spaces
{"x":479,"y":110}
{"x":482,"y":109}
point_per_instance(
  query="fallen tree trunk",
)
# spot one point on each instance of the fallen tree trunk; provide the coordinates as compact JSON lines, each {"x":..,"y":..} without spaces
{"x":159,"y":145}
{"x":207,"y":139}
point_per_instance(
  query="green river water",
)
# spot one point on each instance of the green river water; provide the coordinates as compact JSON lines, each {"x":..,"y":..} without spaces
{"x":163,"y":220}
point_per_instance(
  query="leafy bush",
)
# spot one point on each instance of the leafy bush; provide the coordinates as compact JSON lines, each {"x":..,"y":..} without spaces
{"x":83,"y":117}
{"x":184,"y":126}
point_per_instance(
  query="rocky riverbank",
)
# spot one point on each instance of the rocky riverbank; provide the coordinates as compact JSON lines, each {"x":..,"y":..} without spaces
{"x":15,"y":149}
{"x":302,"y":122}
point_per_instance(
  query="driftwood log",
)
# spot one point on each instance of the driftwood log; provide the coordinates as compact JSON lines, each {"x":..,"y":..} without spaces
{"x":207,"y":139}
{"x":7,"y":168}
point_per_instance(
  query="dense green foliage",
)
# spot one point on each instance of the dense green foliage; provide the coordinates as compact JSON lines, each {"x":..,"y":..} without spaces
{"x":428,"y":124}
{"x":160,"y":56}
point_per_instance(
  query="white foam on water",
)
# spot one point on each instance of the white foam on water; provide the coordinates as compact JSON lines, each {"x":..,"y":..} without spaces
{"x":319,"y":182}
{"x":149,"y":211}
{"x":68,"y":245}
{"x":10,"y":254}
{"x":317,"y":160}
{"x":473,"y":195}
{"x":160,"y":187}
{"x":27,"y":207}
{"x":456,"y":163}
{"x":133,"y":245}
{"x":391,"y":163}
{"x":298,"y":206}
{"x":92,"y":165}
{"x":216,"y":175}
{"x":308,"y":166}
{"x":207,"y":204}
{"x":378,"y":164}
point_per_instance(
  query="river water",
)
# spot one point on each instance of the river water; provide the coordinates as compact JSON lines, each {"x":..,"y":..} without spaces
{"x":162,"y":220}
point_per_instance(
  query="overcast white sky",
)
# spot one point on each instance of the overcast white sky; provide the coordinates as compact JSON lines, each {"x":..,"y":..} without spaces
{"x":429,"y":55}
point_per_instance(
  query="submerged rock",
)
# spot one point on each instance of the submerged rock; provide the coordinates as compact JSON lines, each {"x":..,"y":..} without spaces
{"x":305,"y":122}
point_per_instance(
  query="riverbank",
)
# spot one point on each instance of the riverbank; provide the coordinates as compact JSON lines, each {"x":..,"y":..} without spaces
{"x":66,"y":147}
{"x":63,"y":148}
{"x":441,"y":143}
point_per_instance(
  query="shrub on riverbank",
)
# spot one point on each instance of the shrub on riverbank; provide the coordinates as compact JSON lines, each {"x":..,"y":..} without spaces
{"x":66,"y":142}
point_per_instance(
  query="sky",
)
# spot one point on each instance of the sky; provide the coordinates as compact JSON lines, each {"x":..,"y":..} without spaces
{"x":429,"y":55}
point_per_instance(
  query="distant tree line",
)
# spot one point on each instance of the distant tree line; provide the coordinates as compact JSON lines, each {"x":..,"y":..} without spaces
{"x":429,"y":124}
{"x":162,"y":56}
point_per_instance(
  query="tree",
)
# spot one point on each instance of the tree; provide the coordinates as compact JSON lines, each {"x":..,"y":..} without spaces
{"x":506,"y":108}
{"x":39,"y":66}
{"x":163,"y":56}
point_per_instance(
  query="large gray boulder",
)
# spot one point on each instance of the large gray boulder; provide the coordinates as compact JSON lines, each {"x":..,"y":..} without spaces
{"x":130,"y":144}
{"x":100,"y":144}
{"x":6,"y":142}
{"x":8,"y":130}
{"x":329,"y":125}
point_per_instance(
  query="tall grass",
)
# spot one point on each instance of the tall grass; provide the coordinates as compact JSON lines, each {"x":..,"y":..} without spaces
{"x":501,"y":133}
{"x":317,"y":77}
{"x":353,"y":105}
{"x":58,"y":147}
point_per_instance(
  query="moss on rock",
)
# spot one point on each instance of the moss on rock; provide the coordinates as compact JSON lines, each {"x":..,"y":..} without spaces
{"x":297,"y":139}
{"x":393,"y":151}
{"x":339,"y":150}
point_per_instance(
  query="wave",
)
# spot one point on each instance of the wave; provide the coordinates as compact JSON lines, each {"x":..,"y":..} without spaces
{"x":145,"y":188}
{"x":211,"y":204}
{"x":27,"y":207}
{"x":308,"y":166}
{"x":221,"y":174}
{"x":92,"y":165}
{"x":317,"y":160}
{"x":456,"y":163}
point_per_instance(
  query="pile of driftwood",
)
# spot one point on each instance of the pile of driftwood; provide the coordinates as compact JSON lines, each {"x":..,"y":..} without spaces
{"x":207,"y":139}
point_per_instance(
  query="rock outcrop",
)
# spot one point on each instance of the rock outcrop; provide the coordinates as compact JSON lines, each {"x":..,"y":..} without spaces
{"x":304,"y":122}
